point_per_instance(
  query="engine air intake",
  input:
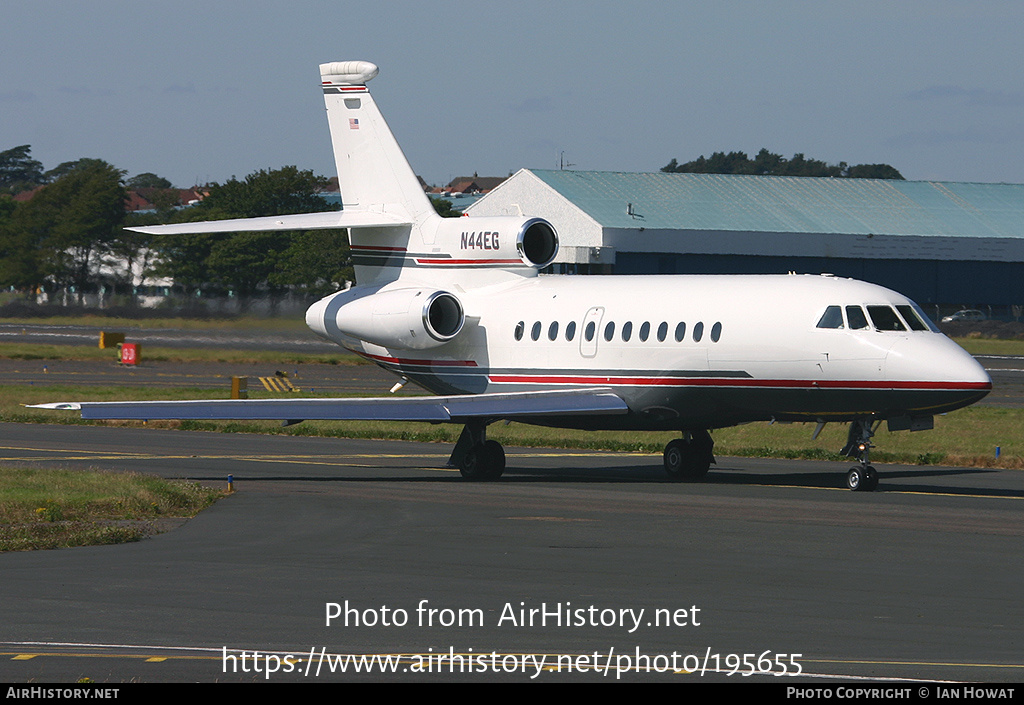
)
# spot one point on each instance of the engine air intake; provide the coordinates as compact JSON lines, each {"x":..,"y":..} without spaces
{"x":443,"y":316}
{"x":537,"y":243}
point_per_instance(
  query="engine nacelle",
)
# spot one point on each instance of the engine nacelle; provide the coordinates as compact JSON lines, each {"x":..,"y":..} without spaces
{"x":496,"y":241}
{"x":412,"y":319}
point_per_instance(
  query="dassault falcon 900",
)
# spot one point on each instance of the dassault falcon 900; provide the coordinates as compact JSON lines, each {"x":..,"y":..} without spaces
{"x":457,"y":306}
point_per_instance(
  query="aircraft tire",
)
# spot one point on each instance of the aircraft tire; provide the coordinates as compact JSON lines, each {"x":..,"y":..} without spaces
{"x":684,"y":462}
{"x":495,"y":456}
{"x":483,"y":461}
{"x":870,"y":479}
{"x":473,"y":465}
{"x":862,"y":479}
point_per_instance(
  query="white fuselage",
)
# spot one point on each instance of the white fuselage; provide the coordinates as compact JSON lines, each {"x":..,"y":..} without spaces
{"x":690,"y":351}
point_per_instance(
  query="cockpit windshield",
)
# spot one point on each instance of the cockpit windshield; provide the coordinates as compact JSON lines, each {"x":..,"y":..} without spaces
{"x":882,"y":318}
{"x":911,"y":317}
{"x":885,"y":318}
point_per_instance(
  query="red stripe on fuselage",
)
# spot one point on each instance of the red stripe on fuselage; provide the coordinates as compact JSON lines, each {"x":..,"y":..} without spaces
{"x":734,"y":382}
{"x":463,"y":262}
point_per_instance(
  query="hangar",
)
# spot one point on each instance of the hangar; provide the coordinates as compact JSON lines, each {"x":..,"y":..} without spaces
{"x":944,"y":244}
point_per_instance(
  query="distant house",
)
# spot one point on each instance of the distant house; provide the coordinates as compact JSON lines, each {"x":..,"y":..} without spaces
{"x":142,"y":199}
{"x":474,"y":184}
{"x":25,"y":196}
{"x":147,"y":198}
{"x":137,"y":202}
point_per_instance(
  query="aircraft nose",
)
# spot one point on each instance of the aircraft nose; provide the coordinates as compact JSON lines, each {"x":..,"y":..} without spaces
{"x":935,"y":362}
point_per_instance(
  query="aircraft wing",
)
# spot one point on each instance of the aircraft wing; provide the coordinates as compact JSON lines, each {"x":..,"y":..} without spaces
{"x":303,"y":221}
{"x":457,"y":409}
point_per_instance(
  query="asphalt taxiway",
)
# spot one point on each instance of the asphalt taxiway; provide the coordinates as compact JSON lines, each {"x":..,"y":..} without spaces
{"x":918,"y":580}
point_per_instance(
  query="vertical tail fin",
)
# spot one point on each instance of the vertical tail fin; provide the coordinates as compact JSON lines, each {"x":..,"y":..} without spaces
{"x":373,"y":173}
{"x":376,"y":179}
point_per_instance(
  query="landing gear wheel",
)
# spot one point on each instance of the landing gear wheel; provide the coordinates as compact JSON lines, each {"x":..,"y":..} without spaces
{"x":870,"y":479}
{"x":862,"y":479}
{"x":473,"y":464}
{"x":495,"y":455}
{"x":685,"y":462}
{"x":483,"y":461}
{"x":854,"y":478}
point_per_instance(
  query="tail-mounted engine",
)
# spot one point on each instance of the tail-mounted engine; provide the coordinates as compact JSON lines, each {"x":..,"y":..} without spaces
{"x":495,"y":241}
{"x":412,"y":319}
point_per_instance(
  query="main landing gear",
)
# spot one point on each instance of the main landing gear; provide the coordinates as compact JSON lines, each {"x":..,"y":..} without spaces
{"x":476,"y":457}
{"x":863,"y":477}
{"x":688,"y":459}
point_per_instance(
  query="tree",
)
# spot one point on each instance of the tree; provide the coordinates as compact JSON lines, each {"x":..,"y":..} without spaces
{"x":249,"y":263}
{"x":65,"y":168}
{"x":444,"y":207}
{"x":769,"y":164}
{"x":72,"y":223}
{"x":275,"y":192}
{"x":318,"y":262}
{"x":18,"y":171}
{"x":148,"y":180}
{"x":873,"y":171}
{"x":19,"y":262}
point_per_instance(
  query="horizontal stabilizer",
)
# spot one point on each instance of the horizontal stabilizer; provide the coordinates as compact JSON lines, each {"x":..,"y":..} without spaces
{"x":575,"y":402}
{"x":302,"y":221}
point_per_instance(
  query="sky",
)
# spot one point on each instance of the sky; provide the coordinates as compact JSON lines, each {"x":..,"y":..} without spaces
{"x":203,"y":91}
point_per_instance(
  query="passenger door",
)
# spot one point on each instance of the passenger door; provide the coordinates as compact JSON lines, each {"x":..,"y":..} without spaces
{"x":591,"y":331}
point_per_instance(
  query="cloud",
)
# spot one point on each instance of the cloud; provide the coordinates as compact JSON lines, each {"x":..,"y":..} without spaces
{"x":942,"y":138}
{"x":17,"y":96}
{"x":540,"y":104}
{"x":180,"y":89}
{"x":968,"y":96}
{"x":86,"y":92}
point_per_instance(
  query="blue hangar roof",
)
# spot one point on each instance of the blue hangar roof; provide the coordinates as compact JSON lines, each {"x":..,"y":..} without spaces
{"x":720,"y":202}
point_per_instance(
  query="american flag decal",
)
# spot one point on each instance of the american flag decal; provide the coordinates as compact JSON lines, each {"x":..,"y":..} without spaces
{"x":353,"y":123}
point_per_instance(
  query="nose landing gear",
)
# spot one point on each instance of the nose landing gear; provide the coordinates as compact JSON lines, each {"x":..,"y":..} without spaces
{"x":863,"y":477}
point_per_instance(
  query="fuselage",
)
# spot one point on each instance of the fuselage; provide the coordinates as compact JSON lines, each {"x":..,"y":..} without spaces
{"x":690,"y":352}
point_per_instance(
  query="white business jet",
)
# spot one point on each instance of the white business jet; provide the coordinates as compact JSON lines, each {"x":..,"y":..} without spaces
{"x":457,"y":306}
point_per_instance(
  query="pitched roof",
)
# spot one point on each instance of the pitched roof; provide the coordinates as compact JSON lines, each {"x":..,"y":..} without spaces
{"x":792,"y":204}
{"x":483,"y":183}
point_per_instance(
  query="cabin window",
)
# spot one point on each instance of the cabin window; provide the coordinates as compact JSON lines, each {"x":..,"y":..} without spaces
{"x":589,"y":333}
{"x":716,"y":332}
{"x":627,"y":331}
{"x":662,"y":332}
{"x":645,"y":331}
{"x":535,"y":333}
{"x":698,"y":332}
{"x":680,"y":332}
{"x":855,"y":315}
{"x":832,"y":318}
{"x":570,"y":330}
{"x":911,"y":317}
{"x":609,"y":331}
{"x":520,"y":329}
{"x":553,"y":330}
{"x":884,"y":318}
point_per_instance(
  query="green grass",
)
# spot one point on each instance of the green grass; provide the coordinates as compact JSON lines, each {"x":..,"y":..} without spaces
{"x":965,"y":437}
{"x":62,"y":508}
{"x":991,"y":346}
